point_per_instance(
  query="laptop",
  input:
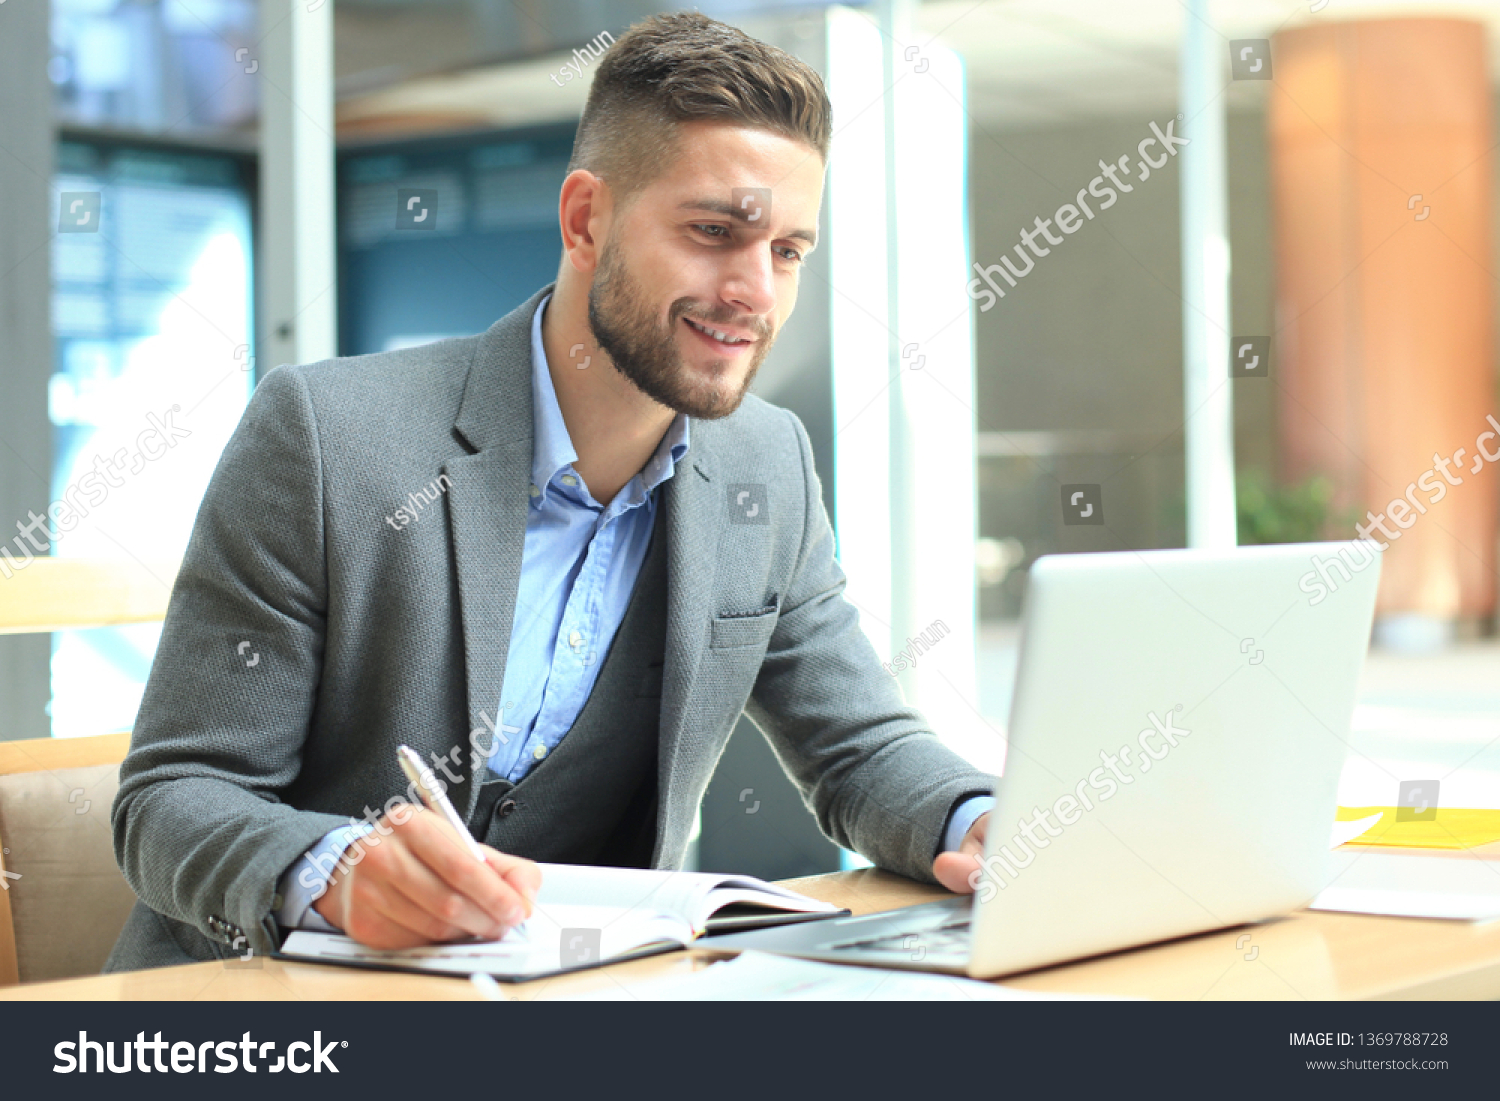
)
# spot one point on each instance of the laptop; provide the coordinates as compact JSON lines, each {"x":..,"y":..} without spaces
{"x":1178,"y":728}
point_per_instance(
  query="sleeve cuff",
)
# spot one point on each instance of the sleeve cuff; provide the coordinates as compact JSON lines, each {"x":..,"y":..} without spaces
{"x":305,"y":881}
{"x":964,"y":815}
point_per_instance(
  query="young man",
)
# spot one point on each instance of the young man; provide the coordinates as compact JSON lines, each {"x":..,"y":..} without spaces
{"x":559,"y":559}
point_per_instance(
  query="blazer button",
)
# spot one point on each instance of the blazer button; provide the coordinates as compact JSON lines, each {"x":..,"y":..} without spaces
{"x":506,"y":808}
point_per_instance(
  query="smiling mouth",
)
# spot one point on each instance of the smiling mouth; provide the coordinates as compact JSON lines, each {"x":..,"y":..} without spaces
{"x":714,"y":334}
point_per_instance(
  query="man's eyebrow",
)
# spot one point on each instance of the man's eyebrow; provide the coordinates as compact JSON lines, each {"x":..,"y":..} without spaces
{"x":729,"y":210}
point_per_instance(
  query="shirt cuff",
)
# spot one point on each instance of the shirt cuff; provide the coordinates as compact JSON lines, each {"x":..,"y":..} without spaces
{"x":964,"y":816}
{"x":305,"y":881}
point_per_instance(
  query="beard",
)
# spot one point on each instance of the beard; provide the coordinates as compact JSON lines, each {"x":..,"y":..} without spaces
{"x":624,"y":326}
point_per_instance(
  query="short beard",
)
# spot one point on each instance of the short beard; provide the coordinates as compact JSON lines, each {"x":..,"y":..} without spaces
{"x":621,"y":321}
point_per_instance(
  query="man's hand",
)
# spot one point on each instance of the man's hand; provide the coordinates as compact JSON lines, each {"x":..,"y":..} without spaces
{"x":953,"y":869}
{"x":420,"y":884}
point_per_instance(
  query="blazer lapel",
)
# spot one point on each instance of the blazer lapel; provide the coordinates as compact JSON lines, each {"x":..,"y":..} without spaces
{"x":487,"y":511}
{"x":692,"y":511}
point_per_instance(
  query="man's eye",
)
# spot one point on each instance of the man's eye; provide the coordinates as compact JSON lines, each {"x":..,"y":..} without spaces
{"x":789,"y":253}
{"x":706,"y":229}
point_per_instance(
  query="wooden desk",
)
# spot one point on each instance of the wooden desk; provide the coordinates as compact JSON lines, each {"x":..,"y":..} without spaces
{"x":1305,"y":956}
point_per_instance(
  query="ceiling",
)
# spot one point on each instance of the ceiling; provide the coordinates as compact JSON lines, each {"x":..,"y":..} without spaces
{"x":1030,"y":63}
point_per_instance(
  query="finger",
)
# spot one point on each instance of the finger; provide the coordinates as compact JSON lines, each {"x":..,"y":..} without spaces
{"x":414,"y":921}
{"x":459,"y":842}
{"x":382,"y":875}
{"x":381,"y":918}
{"x":451,"y":861}
{"x":953,"y":871}
{"x":522,"y":874}
{"x":422,"y":888}
{"x":974,"y":840}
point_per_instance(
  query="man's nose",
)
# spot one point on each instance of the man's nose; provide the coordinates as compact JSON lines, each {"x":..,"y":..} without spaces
{"x":750,"y":283}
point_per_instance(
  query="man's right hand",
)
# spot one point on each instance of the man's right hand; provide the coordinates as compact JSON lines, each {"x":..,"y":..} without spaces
{"x":421,"y":885}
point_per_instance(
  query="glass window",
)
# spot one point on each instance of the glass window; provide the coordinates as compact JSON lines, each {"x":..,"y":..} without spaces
{"x":154,"y":65}
{"x":152,"y":314}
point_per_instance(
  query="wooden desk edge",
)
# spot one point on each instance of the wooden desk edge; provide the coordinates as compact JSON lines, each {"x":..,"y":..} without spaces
{"x":1165,"y":971}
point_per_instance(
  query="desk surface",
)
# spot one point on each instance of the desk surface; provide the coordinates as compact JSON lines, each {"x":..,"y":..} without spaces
{"x":1303,"y":956}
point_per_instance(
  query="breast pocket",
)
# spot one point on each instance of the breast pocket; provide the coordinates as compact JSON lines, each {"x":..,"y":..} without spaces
{"x":651,"y":682}
{"x":743,"y":630}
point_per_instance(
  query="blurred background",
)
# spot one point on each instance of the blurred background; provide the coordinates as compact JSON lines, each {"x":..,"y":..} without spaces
{"x":199,"y":190}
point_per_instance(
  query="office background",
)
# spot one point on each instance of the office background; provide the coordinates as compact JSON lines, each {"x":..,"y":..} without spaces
{"x":158,"y":117}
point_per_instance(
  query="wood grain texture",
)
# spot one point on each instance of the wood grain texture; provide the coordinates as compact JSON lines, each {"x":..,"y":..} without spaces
{"x":1305,"y":956}
{"x":55,"y":594}
{"x":10,"y":967}
{"x":36,"y":754}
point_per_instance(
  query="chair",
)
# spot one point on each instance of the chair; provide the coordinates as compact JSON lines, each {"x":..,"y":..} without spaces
{"x":64,"y":900}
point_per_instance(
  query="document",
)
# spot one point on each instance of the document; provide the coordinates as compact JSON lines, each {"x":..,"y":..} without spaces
{"x":1454,"y":888}
{"x":761,"y":977}
{"x":1440,"y":828}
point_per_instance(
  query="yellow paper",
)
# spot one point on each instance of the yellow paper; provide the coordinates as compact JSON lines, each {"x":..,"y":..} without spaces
{"x":1452,"y":828}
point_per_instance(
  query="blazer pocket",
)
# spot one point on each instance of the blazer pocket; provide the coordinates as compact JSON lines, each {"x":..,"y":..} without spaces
{"x":737,"y":630}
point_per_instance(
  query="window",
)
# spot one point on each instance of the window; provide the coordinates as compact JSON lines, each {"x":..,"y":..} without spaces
{"x":151,"y":305}
{"x":490,"y":243}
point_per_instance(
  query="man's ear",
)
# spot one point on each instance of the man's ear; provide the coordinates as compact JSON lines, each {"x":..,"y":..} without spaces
{"x":584,"y":210}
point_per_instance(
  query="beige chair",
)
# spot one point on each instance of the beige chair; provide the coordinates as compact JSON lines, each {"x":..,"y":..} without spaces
{"x":64,"y":900}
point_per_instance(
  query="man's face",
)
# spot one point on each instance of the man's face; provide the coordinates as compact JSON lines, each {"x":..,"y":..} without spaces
{"x":715,"y":242}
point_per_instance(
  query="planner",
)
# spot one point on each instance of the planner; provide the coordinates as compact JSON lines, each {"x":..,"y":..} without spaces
{"x":585,"y":917}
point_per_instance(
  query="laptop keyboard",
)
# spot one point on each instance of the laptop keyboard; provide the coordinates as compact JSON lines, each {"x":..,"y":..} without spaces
{"x":951,"y":937}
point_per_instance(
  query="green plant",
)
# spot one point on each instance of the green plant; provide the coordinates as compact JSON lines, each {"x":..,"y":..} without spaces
{"x":1300,"y":513}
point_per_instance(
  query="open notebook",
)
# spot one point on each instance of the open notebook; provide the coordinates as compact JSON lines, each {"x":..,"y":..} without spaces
{"x":584,"y":917}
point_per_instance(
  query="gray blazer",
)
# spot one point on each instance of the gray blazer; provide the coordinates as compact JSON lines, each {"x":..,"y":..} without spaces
{"x":361,"y":638}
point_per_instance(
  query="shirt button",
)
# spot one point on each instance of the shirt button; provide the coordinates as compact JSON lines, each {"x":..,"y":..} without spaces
{"x":535,"y":492}
{"x":539,"y":752}
{"x":569,"y":480}
{"x":575,"y":639}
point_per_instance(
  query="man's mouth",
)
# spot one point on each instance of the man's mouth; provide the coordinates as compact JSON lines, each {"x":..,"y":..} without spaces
{"x":719,"y":335}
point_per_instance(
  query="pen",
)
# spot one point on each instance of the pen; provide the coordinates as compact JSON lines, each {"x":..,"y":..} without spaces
{"x":488,"y":987}
{"x":433,"y":797}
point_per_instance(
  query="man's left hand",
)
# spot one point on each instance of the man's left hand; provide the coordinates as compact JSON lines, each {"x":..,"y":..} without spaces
{"x":953,"y":869}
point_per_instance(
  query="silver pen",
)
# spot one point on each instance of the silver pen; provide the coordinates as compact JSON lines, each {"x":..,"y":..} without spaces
{"x":433,"y":796}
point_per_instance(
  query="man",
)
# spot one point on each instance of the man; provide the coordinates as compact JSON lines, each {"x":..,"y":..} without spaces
{"x":558,"y":559}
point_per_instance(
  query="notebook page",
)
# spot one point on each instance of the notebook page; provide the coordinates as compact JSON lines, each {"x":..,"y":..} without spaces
{"x":631,"y":889}
{"x":691,"y":895}
{"x":558,"y":937}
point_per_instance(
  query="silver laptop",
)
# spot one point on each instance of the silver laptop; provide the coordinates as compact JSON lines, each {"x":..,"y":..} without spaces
{"x":1179,"y":724}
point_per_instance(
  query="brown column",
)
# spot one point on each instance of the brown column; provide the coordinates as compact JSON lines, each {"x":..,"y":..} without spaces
{"x":1383,"y":356}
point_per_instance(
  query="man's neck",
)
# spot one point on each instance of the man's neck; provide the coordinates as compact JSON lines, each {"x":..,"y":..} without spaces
{"x":614,"y":427}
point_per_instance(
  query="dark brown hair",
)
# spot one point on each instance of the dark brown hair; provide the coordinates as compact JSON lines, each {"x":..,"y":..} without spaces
{"x":684,"y":67}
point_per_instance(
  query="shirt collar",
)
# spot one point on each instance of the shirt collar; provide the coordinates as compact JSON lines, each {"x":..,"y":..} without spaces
{"x":552,"y":448}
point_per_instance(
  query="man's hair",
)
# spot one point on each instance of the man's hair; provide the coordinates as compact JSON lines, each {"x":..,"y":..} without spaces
{"x":685,"y":67}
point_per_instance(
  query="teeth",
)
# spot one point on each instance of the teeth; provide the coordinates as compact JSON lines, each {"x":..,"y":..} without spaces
{"x":722,"y":338}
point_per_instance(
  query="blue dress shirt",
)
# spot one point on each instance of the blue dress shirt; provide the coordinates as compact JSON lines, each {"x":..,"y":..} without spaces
{"x":578,"y":568}
{"x":580,"y":564}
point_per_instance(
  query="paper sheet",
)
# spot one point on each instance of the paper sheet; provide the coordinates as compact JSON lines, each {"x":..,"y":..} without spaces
{"x":762,"y":977}
{"x":1345,"y":832}
{"x":534,"y":946}
{"x":1445,"y":887}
